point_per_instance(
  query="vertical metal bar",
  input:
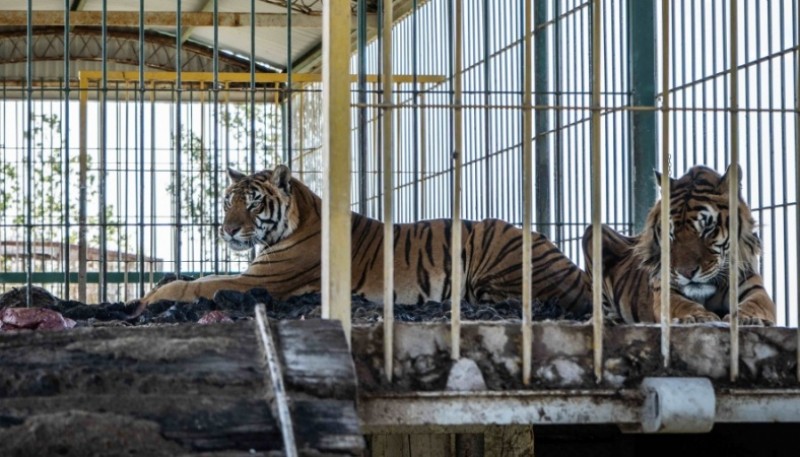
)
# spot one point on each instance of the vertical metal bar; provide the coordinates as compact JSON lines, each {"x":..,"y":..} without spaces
{"x":141,"y":200}
{"x":336,"y":241}
{"x":642,"y":64}
{"x":415,"y":206}
{"x":388,"y":184}
{"x":796,"y":22}
{"x":487,"y":113}
{"x":178,"y":139}
{"x":67,"y":91}
{"x":215,"y":88}
{"x":543,"y":218}
{"x":527,"y":170}
{"x":252,"y":92}
{"x":362,"y":110}
{"x":455,"y":242}
{"x":102,"y":285}
{"x":733,"y":193}
{"x":29,"y":158}
{"x":289,"y":71}
{"x":597,"y":191}
{"x":665,"y":188}
{"x":82,"y":190}
{"x":558,"y":142}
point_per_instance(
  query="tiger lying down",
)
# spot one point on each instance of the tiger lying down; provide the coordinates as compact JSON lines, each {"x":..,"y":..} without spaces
{"x":280,"y":213}
{"x":699,"y":259}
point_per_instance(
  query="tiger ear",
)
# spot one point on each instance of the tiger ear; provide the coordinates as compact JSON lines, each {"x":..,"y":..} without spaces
{"x":724,"y":183}
{"x":281,"y":177}
{"x":658,"y":179}
{"x":235,"y":175}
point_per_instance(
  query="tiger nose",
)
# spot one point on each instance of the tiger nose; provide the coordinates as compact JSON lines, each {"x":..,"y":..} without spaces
{"x":231,"y":229}
{"x":688,"y":272}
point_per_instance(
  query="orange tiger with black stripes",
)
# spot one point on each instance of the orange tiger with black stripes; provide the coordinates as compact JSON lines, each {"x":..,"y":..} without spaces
{"x":274,"y":210}
{"x":699,"y":259}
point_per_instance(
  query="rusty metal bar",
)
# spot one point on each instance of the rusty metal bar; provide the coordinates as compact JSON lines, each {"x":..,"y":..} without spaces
{"x":228,"y":77}
{"x":167,"y":19}
{"x":597,"y":191}
{"x":527,"y":199}
{"x":665,"y":188}
{"x":456,"y":242}
{"x":733,"y":194}
{"x":388,"y":186}
{"x":336,"y":240}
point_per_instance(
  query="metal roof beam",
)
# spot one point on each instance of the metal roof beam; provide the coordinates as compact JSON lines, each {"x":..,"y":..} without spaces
{"x":187,"y":31}
{"x":166,"y":19}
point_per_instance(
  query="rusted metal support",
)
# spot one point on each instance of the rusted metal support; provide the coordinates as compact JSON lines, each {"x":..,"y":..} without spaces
{"x":597,"y":190}
{"x":665,"y":188}
{"x":733,"y":193}
{"x":388,"y":187}
{"x":336,"y":241}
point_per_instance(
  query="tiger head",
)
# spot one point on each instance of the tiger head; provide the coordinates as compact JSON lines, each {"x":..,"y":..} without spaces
{"x":258,"y":208}
{"x":699,"y":235}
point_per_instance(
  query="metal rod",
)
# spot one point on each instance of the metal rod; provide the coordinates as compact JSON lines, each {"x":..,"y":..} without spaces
{"x":362,"y":98}
{"x":795,"y":13}
{"x":336,"y":223}
{"x":177,"y":178}
{"x":544,"y":220}
{"x":215,"y":89}
{"x":455,"y":242}
{"x":388,"y":185}
{"x":527,"y":191}
{"x":29,"y":158}
{"x":82,"y":185}
{"x":141,"y":200}
{"x":103,"y":165}
{"x":597,"y":192}
{"x":666,"y":241}
{"x":252,"y":92}
{"x":289,"y":70}
{"x":67,"y":91}
{"x":166,"y":19}
{"x":280,"y":399}
{"x":733,"y":194}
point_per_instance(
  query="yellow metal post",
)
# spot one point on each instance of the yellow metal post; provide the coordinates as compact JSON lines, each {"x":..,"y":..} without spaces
{"x":665,"y":190}
{"x":527,"y":183}
{"x":455,"y":242}
{"x":733,"y":195}
{"x":336,"y":252}
{"x":388,"y":185}
{"x":597,"y":189}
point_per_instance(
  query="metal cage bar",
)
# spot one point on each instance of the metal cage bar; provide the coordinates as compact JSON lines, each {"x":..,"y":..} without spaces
{"x":665,"y":229}
{"x":388,"y":187}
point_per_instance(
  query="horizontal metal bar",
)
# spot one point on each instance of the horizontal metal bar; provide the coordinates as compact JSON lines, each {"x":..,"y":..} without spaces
{"x":169,"y":76}
{"x":584,"y":406}
{"x":114,"y":277}
{"x":167,"y":19}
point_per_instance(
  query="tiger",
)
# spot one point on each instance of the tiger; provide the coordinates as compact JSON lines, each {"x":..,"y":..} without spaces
{"x":699,"y":258}
{"x":281,"y":215}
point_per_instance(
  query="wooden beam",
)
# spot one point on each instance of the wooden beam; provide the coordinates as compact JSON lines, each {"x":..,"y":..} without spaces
{"x":166,"y":19}
{"x":336,"y":241}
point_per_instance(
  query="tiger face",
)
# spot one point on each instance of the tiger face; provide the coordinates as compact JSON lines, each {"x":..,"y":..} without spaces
{"x":699,"y":235}
{"x":258,"y":209}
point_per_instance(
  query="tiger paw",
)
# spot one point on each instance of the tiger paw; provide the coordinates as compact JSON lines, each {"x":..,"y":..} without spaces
{"x":695,"y":317}
{"x":748,"y":319}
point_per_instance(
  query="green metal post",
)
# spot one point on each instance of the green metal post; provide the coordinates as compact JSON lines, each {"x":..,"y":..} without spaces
{"x":642,"y":64}
{"x":542,"y":81}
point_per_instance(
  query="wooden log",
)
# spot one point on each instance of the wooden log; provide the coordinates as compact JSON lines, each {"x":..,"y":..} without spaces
{"x":168,"y":390}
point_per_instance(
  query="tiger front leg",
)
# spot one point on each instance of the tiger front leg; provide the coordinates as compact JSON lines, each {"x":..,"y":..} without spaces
{"x":683,"y":310}
{"x":189,"y":291}
{"x":756,"y":309}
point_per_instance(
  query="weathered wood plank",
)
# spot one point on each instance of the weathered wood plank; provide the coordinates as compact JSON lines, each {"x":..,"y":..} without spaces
{"x":316,"y":358}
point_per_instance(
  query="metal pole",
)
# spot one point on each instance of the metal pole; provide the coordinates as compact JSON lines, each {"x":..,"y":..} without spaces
{"x":252,"y":132}
{"x":642,"y":64}
{"x":362,"y":99}
{"x":597,"y":191}
{"x":388,"y":185}
{"x":178,"y":147}
{"x":665,"y":189}
{"x":543,"y":218}
{"x":289,"y":70}
{"x":215,"y":88}
{"x":141,"y":149}
{"x":796,"y":21}
{"x":29,"y":159}
{"x":455,"y":242}
{"x":527,"y":170}
{"x":67,"y":92}
{"x":101,"y":181}
{"x":733,"y":194}
{"x":336,"y":241}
